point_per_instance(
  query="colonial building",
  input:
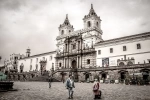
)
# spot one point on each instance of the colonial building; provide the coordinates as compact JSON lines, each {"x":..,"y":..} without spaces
{"x":85,"y":55}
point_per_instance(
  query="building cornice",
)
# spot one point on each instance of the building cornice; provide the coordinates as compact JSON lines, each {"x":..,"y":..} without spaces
{"x":125,"y":54}
{"x":38,"y":55}
{"x":123,"y":39}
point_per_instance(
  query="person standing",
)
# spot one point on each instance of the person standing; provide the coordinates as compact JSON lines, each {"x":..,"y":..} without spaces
{"x":70,"y":85}
{"x":96,"y":91}
{"x":50,"y":80}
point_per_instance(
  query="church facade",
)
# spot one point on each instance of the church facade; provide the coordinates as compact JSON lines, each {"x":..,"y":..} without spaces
{"x":85,"y":55}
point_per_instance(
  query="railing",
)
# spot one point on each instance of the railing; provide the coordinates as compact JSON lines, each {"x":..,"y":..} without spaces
{"x":84,"y":51}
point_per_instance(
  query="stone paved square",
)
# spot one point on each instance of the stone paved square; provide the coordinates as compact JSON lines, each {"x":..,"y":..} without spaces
{"x":83,"y":91}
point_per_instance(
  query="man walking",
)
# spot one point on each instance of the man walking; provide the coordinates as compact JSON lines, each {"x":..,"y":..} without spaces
{"x":70,"y":86}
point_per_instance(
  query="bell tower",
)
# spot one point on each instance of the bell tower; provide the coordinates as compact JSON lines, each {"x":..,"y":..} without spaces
{"x":66,"y":27}
{"x":28,"y":53}
{"x":92,"y":20}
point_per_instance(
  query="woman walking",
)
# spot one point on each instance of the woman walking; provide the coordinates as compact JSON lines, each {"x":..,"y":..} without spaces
{"x":96,"y":91}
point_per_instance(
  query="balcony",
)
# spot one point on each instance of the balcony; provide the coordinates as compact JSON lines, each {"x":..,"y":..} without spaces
{"x":77,"y":52}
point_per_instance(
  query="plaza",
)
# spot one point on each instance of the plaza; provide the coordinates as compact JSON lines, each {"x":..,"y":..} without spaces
{"x":82,"y":91}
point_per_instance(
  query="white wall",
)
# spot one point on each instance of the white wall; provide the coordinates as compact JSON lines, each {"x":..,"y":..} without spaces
{"x":27,"y":62}
{"x":139,"y":54}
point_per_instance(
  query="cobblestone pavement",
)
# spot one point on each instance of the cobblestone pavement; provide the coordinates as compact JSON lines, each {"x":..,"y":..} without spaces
{"x":83,"y":91}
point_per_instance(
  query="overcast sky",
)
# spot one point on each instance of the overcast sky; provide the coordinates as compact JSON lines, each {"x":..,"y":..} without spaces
{"x":34,"y":23}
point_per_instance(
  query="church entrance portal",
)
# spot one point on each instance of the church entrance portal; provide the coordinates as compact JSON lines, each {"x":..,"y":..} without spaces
{"x":74,"y":70}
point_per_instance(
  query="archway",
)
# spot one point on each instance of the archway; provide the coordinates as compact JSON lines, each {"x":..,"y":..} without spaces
{"x":123,"y":74}
{"x":87,"y":76}
{"x":145,"y":74}
{"x":104,"y":76}
{"x":146,"y":77}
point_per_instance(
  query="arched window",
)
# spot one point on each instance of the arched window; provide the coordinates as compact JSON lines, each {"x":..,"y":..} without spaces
{"x":97,"y":24}
{"x":62,"y":32}
{"x":89,"y":24}
{"x":88,"y":61}
{"x":59,"y":64}
{"x":69,"y":31}
{"x":121,"y":64}
{"x":130,"y":63}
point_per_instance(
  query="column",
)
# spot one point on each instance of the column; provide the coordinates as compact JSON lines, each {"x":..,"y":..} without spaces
{"x":64,"y":60}
{"x":81,"y":61}
{"x":77,"y":63}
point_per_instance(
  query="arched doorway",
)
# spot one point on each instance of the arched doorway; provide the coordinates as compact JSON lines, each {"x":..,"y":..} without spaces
{"x":87,"y":76}
{"x":145,"y":74}
{"x":103,"y":76}
{"x":123,"y":74}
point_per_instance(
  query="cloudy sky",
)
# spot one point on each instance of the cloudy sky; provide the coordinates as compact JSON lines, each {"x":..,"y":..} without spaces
{"x":34,"y":23}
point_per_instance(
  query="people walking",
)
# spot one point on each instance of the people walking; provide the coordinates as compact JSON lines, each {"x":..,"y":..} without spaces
{"x":96,"y":91}
{"x":70,"y":85}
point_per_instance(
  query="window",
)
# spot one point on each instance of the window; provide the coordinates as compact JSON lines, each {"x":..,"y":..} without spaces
{"x":66,"y":48}
{"x":124,"y":48}
{"x":88,"y":61}
{"x":138,"y":46}
{"x":97,"y":24}
{"x":69,"y":31}
{"x":99,"y":52}
{"x":89,"y":24}
{"x":111,"y":50}
{"x":129,"y":63}
{"x":62,"y":32}
{"x":59,"y":64}
{"x":74,"y":46}
{"x":121,"y":64}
